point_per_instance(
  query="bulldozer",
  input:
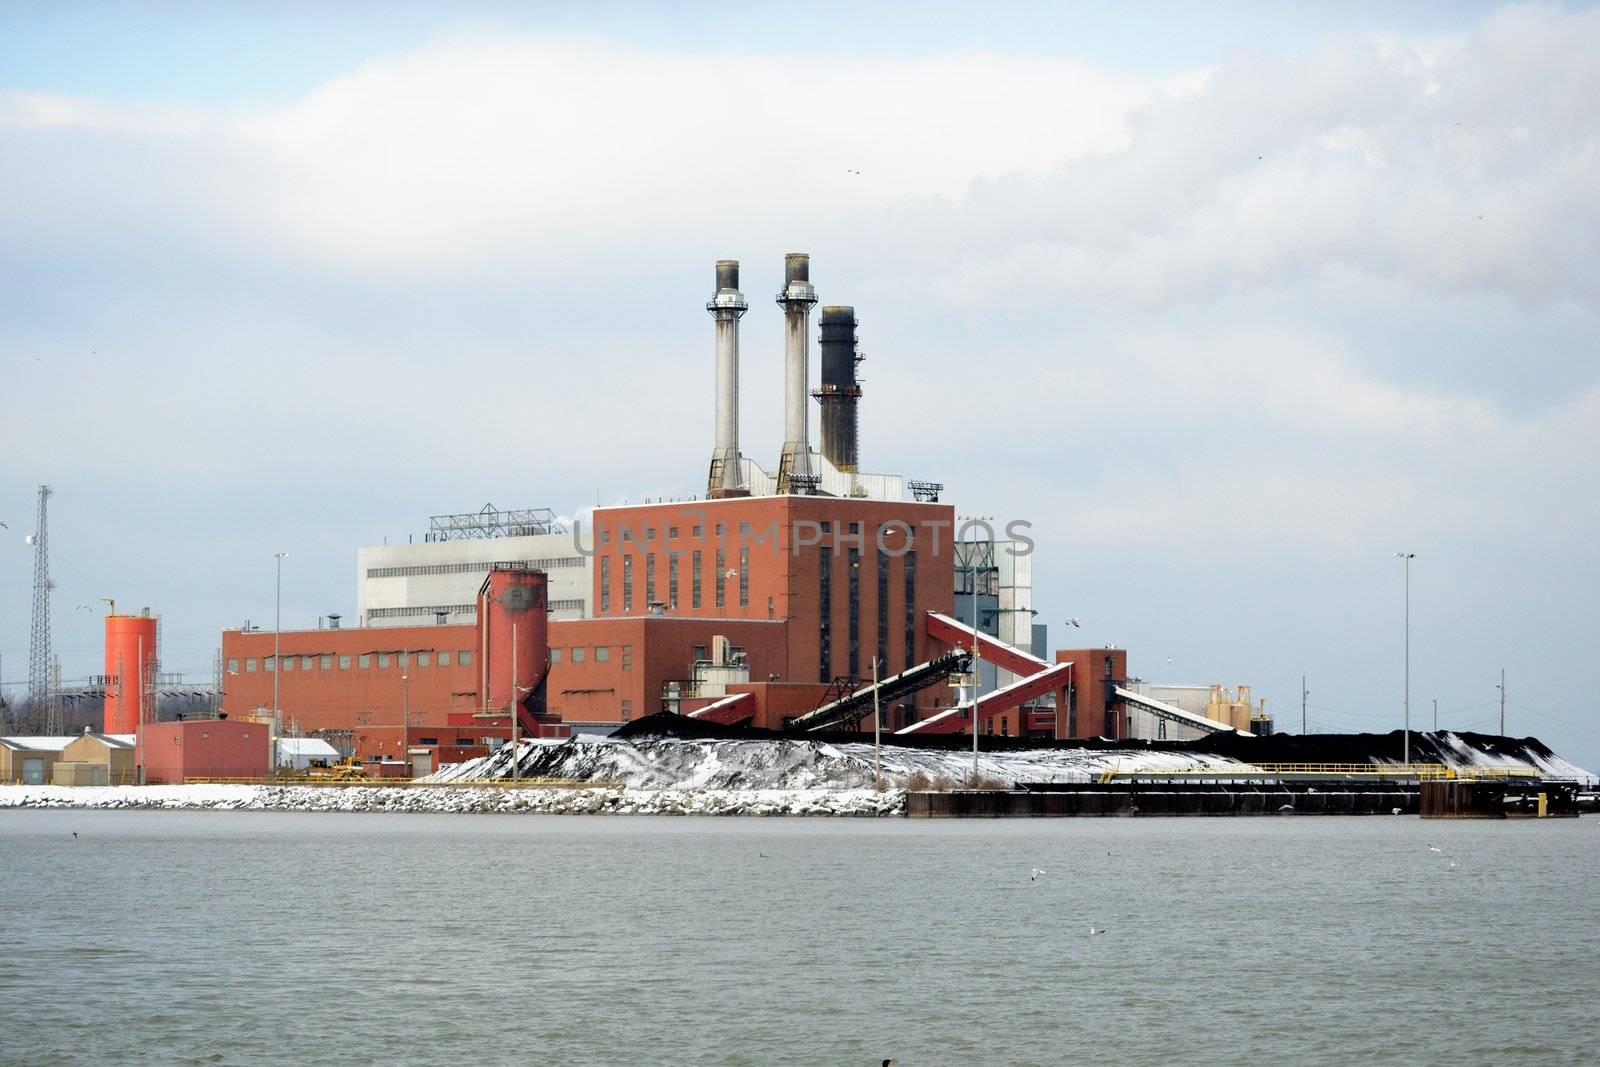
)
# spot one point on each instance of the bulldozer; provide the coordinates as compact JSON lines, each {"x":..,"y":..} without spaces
{"x":346,"y":770}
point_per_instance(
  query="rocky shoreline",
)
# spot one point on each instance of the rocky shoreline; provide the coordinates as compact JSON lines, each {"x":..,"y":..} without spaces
{"x":480,"y":800}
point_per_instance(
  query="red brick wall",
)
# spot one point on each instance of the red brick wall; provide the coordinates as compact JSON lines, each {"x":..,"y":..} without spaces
{"x":784,"y":537}
{"x":172,"y":752}
{"x":1089,"y":685}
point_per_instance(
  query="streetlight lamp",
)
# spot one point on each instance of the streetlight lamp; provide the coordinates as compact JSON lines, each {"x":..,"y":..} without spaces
{"x":277,"y":655}
{"x":405,"y":716}
{"x":1408,"y":557}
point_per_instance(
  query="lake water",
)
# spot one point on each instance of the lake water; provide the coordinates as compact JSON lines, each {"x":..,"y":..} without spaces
{"x":226,"y":937}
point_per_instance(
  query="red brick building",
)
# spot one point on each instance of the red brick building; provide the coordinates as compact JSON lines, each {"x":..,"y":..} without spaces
{"x":175,"y":752}
{"x":808,"y":588}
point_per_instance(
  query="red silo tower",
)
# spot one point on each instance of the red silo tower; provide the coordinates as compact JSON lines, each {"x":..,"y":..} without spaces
{"x":513,"y":634}
{"x":131,"y":666}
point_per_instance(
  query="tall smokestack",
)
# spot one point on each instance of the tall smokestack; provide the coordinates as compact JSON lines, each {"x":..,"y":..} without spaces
{"x":840,"y":390}
{"x":726,"y":307}
{"x":794,"y":466}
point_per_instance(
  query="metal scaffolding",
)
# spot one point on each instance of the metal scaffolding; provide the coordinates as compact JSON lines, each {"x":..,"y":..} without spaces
{"x":39,"y":688}
{"x":490,"y":522}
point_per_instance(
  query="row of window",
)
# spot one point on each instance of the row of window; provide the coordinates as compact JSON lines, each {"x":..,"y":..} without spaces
{"x":600,"y":654}
{"x":552,"y":563}
{"x":362,"y":661}
{"x":455,"y":609}
{"x":696,"y":565}
{"x":646,"y":534}
{"x":853,"y":664}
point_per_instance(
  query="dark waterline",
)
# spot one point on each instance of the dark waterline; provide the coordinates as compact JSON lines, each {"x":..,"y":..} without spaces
{"x":226,"y":937}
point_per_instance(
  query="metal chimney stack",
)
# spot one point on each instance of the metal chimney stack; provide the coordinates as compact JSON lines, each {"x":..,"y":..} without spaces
{"x":794,"y":466}
{"x":727,"y":305}
{"x":839,"y":391}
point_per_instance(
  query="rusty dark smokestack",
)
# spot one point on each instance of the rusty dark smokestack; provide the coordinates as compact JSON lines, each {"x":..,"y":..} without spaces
{"x":840,"y":391}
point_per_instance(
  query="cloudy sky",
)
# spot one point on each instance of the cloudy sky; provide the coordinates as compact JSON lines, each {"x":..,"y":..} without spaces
{"x":1232,"y":303}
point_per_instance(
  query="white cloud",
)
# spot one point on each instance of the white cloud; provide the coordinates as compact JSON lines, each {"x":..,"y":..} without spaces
{"x":1201,"y":322}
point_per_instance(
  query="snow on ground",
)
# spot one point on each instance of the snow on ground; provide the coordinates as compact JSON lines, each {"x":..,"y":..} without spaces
{"x":461,"y":799}
{"x":1455,"y":751}
{"x":664,"y":763}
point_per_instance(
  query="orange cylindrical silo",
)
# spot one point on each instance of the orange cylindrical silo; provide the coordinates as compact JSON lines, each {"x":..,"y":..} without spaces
{"x":130,"y":671}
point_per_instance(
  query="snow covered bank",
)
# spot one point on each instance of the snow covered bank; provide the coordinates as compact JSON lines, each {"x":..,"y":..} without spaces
{"x":677,"y":763}
{"x":463,"y":799}
{"x":773,"y":762}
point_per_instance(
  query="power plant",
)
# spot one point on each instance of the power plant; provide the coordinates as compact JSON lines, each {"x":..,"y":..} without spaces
{"x":774,"y":601}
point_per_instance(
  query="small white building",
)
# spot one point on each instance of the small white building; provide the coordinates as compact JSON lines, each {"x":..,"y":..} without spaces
{"x":437,"y":579}
{"x":301,"y":753}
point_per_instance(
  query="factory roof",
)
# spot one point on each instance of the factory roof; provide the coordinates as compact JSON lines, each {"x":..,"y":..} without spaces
{"x":42,"y":743}
{"x":313,"y":747}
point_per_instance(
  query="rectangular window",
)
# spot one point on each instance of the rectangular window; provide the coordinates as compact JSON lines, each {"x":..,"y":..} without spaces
{"x":694,"y":579}
{"x":270,"y":663}
{"x":694,"y":531}
{"x":650,"y":579}
{"x":364,"y":661}
{"x":344,"y":663}
{"x":464,"y":657}
{"x":605,"y":584}
{"x":627,"y":710}
{"x":555,"y":655}
{"x":602,"y":653}
{"x":672,"y":533}
{"x":444,"y":659}
{"x":716,"y":579}
{"x":700,"y":653}
{"x":250,"y":665}
{"x":824,"y":613}
{"x":672,"y":580}
{"x":233,"y":666}
{"x":404,"y":658}
{"x":305,"y":663}
{"x":744,"y":529}
{"x":744,"y":577}
{"x":578,"y":653}
{"x":911,"y":607}
{"x":424,"y":659}
{"x":627,"y":657}
{"x":383,"y":659}
{"x":883,"y":613}
{"x":324,"y":663}
{"x":627,"y":584}
{"x":855,"y":613}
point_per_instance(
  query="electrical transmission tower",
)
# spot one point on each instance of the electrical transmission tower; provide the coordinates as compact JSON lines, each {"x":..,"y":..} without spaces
{"x":39,"y":690}
{"x":53,"y":725}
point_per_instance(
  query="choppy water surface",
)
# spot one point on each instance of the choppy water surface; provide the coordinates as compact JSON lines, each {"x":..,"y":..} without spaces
{"x":218,"y":937}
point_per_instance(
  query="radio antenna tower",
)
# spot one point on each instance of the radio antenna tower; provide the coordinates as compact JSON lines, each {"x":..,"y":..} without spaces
{"x":39,"y":691}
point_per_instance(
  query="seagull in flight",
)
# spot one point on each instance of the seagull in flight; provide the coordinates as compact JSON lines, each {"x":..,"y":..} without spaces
{"x":1435,"y":848}
{"x":1074,"y":621}
{"x":1096,"y":930}
{"x":1033,"y":875}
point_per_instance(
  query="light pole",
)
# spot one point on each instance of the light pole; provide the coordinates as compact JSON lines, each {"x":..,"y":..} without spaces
{"x":277,"y":656}
{"x":1304,"y":692}
{"x":516,"y":679}
{"x":1435,"y":714}
{"x":1502,"y":688}
{"x":1408,"y":557}
{"x":405,"y":716}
